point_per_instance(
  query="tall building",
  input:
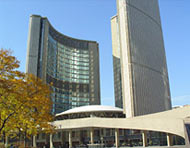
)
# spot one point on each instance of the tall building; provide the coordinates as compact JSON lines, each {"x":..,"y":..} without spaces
{"x":116,"y":63}
{"x":140,"y":70}
{"x":72,"y":65}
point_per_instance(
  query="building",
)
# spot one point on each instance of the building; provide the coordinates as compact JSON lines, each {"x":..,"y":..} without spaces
{"x":105,"y":126}
{"x":140,"y":70}
{"x":116,"y":63}
{"x":72,"y":65}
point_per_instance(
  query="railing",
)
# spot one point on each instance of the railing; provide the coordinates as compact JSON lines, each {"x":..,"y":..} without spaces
{"x":102,"y":146}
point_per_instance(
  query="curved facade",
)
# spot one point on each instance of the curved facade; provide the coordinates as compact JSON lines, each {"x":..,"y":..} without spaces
{"x":145,"y":84}
{"x":169,"y":129}
{"x":71,"y":65}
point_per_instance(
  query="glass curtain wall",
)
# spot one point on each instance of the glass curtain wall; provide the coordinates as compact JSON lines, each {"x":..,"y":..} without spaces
{"x":68,"y":71}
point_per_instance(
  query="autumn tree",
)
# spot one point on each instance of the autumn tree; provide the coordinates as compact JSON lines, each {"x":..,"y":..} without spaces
{"x":24,"y":99}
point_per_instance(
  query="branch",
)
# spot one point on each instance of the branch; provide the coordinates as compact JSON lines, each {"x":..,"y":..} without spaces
{"x":4,"y":122}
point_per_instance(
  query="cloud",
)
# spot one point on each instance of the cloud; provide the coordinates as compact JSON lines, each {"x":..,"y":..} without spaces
{"x":181,"y":100}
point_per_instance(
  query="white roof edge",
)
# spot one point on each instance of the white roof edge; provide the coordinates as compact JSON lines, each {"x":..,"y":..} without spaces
{"x":91,"y":108}
{"x":171,"y":121}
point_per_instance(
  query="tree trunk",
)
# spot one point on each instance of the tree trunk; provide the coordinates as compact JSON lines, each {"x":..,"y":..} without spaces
{"x":24,"y":139}
{"x":20,"y":137}
{"x":4,"y":139}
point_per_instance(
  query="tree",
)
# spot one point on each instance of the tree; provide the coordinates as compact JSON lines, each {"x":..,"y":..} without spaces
{"x":8,"y":75}
{"x":25,"y":103}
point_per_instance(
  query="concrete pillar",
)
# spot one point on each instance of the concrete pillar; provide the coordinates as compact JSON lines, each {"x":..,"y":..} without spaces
{"x":34,"y":141}
{"x":70,"y":139}
{"x":102,"y":136}
{"x":91,"y":136}
{"x":6,"y":141}
{"x":144,"y":138}
{"x":79,"y":137}
{"x":46,"y":139}
{"x":169,"y":139}
{"x":51,"y":140}
{"x":117,"y":138}
{"x":61,"y":137}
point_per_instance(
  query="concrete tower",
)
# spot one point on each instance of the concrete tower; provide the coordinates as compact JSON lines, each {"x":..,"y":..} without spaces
{"x":138,"y":46}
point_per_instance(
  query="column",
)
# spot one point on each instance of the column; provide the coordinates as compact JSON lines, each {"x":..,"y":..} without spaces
{"x":169,"y":139}
{"x":102,"y":135}
{"x":70,"y":139}
{"x":144,"y":138}
{"x":91,"y":136}
{"x":79,"y":132}
{"x":34,"y":141}
{"x":117,"y":138}
{"x":51,"y":140}
{"x":46,"y":140}
{"x":6,"y":141}
{"x":63,"y":137}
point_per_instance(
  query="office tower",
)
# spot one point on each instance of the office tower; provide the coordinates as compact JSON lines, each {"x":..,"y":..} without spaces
{"x":72,"y":65}
{"x":138,"y":47}
{"x":116,"y":63}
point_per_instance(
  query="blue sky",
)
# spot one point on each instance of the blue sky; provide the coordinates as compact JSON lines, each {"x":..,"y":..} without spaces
{"x":90,"y":20}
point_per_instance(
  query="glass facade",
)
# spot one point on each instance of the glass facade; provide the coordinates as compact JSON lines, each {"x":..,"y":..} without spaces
{"x":70,"y":65}
{"x":188,"y":131}
{"x":105,"y":137}
{"x":68,"y":71}
{"x":117,"y":82}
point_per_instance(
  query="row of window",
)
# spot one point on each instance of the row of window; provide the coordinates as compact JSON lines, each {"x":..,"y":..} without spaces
{"x":62,"y":64}
{"x":75,"y":76}
{"x":79,"y":103}
{"x":61,"y":92}
{"x":74,"y":71}
{"x":67,"y":99}
{"x":70,"y":53}
{"x":53,"y":54}
{"x":73,"y":50}
{"x":74,"y":58}
{"x":134,"y":140}
{"x":61,"y":103}
{"x":67,"y":72}
{"x":76,"y":79}
{"x":68,"y":95}
{"x":53,"y":68}
{"x":72,"y":62}
{"x":65,"y":48}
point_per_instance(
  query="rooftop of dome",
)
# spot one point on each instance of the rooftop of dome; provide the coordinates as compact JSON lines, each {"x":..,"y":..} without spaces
{"x":91,"y":108}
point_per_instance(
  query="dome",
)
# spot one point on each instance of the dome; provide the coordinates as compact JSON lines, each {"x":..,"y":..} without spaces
{"x":91,"y":108}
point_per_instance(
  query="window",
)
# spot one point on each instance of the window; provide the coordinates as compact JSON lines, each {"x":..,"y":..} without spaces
{"x":43,"y":135}
{"x":188,"y":130}
{"x":38,"y":137}
{"x":73,"y":134}
{"x":59,"y":135}
{"x":108,"y":132}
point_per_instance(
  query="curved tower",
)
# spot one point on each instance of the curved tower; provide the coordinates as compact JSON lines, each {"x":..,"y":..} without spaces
{"x":144,"y":75}
{"x":71,"y":65}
